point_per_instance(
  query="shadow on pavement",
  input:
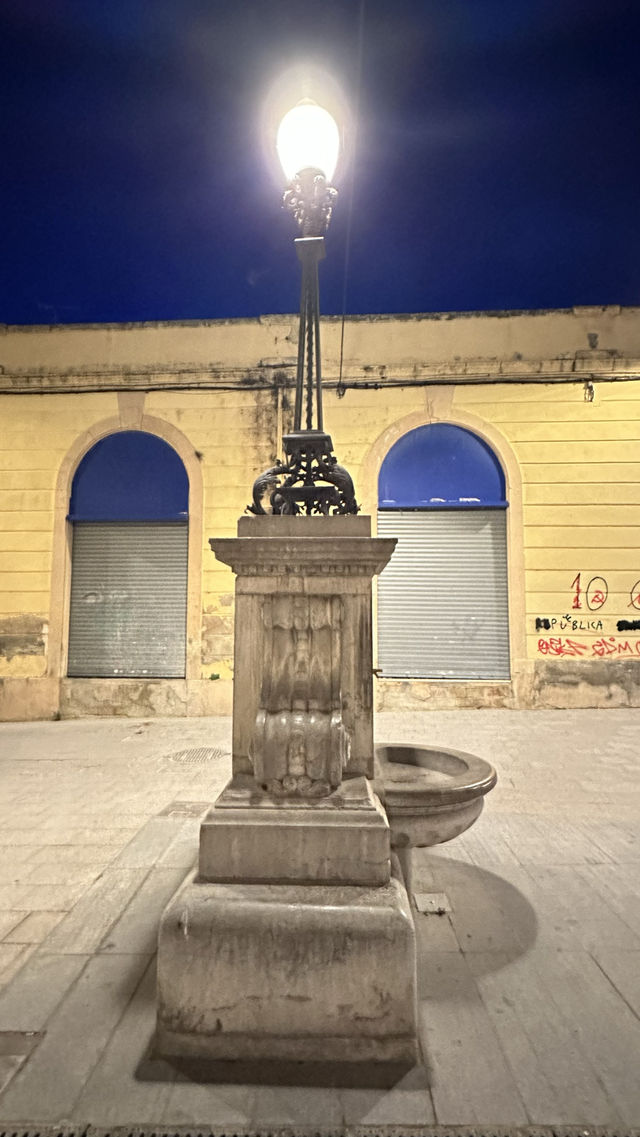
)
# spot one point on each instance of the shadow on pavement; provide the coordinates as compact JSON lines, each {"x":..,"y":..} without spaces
{"x":489,"y":915}
{"x":352,"y":1075}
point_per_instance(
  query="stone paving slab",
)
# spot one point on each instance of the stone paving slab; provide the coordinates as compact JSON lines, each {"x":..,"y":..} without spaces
{"x":138,"y":1092}
{"x":135,"y":932}
{"x":28,"y":1002}
{"x":34,"y":928}
{"x":85,"y":927}
{"x":470,"y":1078}
{"x":622,"y":971}
{"x":529,"y":986}
{"x":554,"y":1076}
{"x":410,"y":1099}
{"x":9,"y":920}
{"x":49,"y":1084}
{"x":183,"y":851}
{"x":147,"y":845}
{"x":12,"y":959}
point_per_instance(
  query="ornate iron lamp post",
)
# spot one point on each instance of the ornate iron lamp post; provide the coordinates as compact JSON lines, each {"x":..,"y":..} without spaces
{"x":296,"y":910}
{"x":310,"y":480}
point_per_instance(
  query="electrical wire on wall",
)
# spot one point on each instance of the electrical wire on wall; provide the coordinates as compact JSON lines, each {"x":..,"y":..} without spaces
{"x":340,"y":388}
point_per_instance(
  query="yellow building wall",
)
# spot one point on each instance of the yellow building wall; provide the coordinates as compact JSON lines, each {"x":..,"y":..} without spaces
{"x":580,"y":466}
{"x":234,"y":432}
{"x":574,"y":467}
{"x":37,"y":431}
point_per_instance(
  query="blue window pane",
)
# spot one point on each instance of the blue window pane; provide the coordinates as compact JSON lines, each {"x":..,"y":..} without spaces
{"x":130,"y":476}
{"x":440,"y":465}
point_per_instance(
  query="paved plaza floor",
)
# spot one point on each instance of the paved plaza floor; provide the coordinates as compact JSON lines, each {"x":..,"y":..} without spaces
{"x":529,"y":969}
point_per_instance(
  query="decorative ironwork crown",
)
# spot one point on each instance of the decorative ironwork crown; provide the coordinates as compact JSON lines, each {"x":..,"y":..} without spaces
{"x":310,"y":200}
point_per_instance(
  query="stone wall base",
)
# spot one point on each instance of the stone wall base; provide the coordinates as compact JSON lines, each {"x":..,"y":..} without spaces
{"x":438,"y":695}
{"x":26,"y":700}
{"x":582,"y":683}
{"x":145,"y":698}
{"x":544,"y":684}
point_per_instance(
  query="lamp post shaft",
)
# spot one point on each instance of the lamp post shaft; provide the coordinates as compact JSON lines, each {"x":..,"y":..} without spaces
{"x":310,"y":251}
{"x":309,"y":480}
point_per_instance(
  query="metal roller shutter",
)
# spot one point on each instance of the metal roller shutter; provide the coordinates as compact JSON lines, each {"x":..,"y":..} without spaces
{"x":128,"y":600}
{"x":442,"y":599}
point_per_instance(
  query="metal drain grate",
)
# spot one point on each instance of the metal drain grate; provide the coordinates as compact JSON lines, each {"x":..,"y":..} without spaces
{"x":11,"y":1130}
{"x":42,"y":1131}
{"x":197,"y":756}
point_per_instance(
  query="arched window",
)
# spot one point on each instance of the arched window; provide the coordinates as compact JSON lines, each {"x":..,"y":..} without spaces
{"x":442,"y":599}
{"x":129,"y":509}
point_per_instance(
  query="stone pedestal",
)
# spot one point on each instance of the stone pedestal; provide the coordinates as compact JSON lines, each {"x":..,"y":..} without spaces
{"x":310,"y":973}
{"x":343,"y":839}
{"x":295,"y":939}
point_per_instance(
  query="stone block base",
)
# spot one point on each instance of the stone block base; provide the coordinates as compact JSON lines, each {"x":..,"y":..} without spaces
{"x":310,"y":973}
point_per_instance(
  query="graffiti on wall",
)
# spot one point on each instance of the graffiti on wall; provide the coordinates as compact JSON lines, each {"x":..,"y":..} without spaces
{"x":589,"y":596}
{"x":606,"y":645}
{"x":567,"y":622}
{"x":596,"y":593}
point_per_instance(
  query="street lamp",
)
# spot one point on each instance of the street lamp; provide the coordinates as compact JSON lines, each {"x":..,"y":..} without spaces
{"x":309,"y":481}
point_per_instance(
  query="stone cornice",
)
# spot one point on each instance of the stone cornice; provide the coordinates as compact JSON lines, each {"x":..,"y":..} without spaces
{"x":369,"y":351}
{"x":266,"y":376}
{"x":296,"y":556}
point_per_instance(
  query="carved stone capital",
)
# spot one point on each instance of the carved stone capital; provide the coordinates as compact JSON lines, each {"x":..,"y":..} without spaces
{"x":315,"y":556}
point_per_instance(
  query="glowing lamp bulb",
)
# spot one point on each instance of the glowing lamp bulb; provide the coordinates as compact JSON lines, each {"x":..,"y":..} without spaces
{"x":308,"y":138}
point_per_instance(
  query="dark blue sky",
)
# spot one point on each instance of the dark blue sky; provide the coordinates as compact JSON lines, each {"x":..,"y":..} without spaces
{"x":497,"y":166}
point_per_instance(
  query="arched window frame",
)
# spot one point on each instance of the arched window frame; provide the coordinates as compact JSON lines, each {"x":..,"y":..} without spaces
{"x":63,"y":533}
{"x":440,"y":409}
{"x":429,"y":447}
{"x":130,"y":475}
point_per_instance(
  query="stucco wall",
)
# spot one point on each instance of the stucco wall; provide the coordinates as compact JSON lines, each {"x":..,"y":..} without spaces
{"x":220,"y":392}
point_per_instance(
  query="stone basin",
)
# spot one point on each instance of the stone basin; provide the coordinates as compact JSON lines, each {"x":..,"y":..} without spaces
{"x":430,"y":795}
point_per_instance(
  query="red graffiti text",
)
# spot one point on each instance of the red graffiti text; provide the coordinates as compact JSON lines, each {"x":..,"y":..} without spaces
{"x":605,"y":646}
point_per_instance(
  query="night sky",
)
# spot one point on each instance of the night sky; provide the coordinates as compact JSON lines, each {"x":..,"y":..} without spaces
{"x":494,"y":162}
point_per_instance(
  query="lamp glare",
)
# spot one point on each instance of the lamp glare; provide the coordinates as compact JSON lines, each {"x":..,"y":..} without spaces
{"x":308,"y":138}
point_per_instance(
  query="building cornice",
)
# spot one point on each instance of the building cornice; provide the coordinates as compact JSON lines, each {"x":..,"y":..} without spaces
{"x":566,"y":345}
{"x":576,"y":369}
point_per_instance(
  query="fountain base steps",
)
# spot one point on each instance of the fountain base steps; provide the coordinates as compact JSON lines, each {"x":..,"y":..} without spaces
{"x":248,"y":837}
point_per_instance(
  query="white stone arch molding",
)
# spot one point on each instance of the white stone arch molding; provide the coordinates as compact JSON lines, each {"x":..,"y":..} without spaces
{"x":62,"y":536}
{"x":501,"y":447}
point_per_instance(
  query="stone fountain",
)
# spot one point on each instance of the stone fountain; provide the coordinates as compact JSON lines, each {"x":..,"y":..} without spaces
{"x":294,"y":937}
